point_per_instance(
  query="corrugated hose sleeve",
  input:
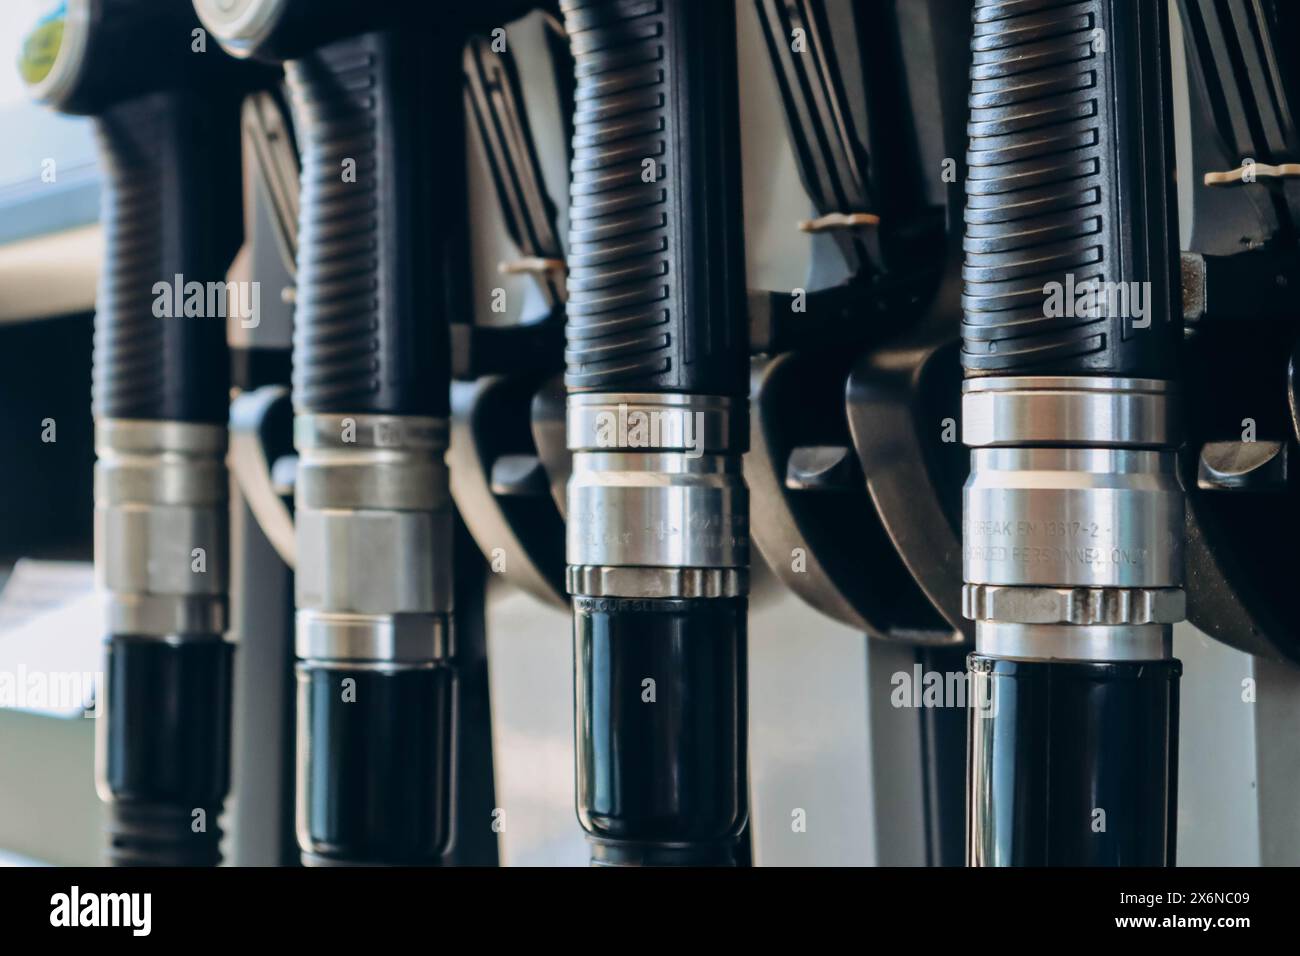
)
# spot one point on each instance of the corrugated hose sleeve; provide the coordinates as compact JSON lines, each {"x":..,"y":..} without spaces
{"x":170,"y":215}
{"x":656,"y":285}
{"x":370,"y":332}
{"x":1070,"y":179}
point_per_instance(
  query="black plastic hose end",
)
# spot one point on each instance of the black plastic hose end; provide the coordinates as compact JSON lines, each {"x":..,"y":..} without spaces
{"x":622,"y":853}
{"x":1083,"y":757}
{"x":165,"y":749}
{"x":144,"y":834}
{"x":374,"y":752}
{"x":660,"y":697}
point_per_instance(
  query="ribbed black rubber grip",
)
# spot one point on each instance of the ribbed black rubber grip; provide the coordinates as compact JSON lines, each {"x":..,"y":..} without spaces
{"x":1070,"y":181}
{"x":655,"y":248}
{"x":370,"y":330}
{"x":165,"y":765}
{"x":170,"y":214}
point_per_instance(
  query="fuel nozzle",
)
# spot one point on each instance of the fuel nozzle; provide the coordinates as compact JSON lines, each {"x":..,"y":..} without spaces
{"x":372,"y":90}
{"x":657,"y":422}
{"x":167,"y":119}
{"x":1073,"y":511}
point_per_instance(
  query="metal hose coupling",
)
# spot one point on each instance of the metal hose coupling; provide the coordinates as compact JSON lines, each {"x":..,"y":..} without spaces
{"x":657,"y":504}
{"x":161,"y":519}
{"x":658,"y":555}
{"x":374,"y":637}
{"x":1073,"y":518}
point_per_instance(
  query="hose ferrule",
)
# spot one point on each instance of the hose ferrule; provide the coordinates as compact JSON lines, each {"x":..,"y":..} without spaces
{"x":1073,"y":515}
{"x":657,"y":502}
{"x":375,"y":527}
{"x":161,"y":527}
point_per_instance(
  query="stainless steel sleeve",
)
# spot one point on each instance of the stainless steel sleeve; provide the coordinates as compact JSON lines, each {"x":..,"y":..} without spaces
{"x":657,"y":503}
{"x":1073,"y":517}
{"x":374,"y":537}
{"x":161,"y":527}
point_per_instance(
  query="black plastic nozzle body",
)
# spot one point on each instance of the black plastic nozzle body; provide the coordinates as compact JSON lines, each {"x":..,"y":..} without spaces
{"x":166,"y":109}
{"x":376,"y":116}
{"x":171,"y":228}
{"x":375,"y":95}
